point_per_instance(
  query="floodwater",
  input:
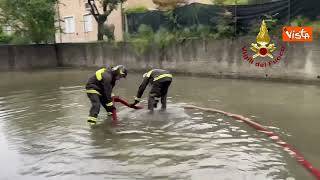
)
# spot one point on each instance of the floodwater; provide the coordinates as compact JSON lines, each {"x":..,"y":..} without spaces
{"x":44,"y":135}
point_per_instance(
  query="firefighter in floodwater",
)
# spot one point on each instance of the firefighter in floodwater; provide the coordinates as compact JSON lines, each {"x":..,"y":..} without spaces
{"x":99,"y":89}
{"x":160,"y":81}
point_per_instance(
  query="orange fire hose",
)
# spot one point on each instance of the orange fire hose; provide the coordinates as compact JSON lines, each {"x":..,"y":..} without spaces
{"x":287,"y":147}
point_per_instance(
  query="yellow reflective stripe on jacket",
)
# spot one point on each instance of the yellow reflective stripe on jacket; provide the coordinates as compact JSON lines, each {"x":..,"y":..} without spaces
{"x":92,"y":91}
{"x":110,"y":104}
{"x":162,"y":76}
{"x":148,"y":74}
{"x":99,"y":73}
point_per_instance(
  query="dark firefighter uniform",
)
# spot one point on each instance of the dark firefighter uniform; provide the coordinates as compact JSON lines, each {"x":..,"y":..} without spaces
{"x":99,"y":89}
{"x":160,"y":81}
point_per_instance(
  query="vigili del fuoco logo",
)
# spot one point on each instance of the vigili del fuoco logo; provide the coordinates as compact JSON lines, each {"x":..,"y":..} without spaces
{"x":263,"y":52}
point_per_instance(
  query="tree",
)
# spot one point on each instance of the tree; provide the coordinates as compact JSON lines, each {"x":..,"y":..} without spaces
{"x":4,"y":37}
{"x":169,"y":7}
{"x":165,"y":37}
{"x":232,"y":2}
{"x":169,"y":4}
{"x":101,"y":17}
{"x":29,"y":19}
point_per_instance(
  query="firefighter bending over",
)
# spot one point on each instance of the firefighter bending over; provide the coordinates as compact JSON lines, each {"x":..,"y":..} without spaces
{"x":160,"y":81}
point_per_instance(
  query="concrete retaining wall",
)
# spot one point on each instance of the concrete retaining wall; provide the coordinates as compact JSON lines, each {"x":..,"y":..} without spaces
{"x":27,"y":57}
{"x":220,"y":58}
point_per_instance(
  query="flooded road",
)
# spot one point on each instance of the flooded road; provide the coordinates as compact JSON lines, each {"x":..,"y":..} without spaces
{"x":44,"y":135}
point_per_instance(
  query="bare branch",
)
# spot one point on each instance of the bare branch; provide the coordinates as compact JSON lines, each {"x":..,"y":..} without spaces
{"x":93,"y":9}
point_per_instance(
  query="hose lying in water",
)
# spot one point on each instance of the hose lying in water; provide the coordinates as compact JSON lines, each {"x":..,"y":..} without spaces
{"x":287,"y":147}
{"x":124,"y":102}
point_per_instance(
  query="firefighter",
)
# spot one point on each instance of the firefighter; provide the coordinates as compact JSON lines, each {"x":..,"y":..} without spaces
{"x":99,"y":89}
{"x":160,"y":81}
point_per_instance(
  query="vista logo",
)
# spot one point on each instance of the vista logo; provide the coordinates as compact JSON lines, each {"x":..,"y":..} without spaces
{"x":297,"y":34}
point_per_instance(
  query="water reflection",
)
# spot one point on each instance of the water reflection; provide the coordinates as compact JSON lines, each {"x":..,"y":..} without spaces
{"x":43,"y":131}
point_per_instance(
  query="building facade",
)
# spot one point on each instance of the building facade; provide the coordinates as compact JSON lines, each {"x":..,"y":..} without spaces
{"x":76,"y":24}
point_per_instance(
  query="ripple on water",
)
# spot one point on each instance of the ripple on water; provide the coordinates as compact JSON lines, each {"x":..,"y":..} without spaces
{"x":49,"y":133}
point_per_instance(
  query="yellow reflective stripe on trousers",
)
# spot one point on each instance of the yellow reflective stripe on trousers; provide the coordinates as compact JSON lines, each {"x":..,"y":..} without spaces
{"x":137,"y":99}
{"x":99,"y":73}
{"x":162,"y":76}
{"x":92,"y":118}
{"x":110,"y":104}
{"x":92,"y":91}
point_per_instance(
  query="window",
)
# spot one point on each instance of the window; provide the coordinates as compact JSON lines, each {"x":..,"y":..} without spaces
{"x":69,"y":24}
{"x":87,"y":6}
{"x":87,"y":23}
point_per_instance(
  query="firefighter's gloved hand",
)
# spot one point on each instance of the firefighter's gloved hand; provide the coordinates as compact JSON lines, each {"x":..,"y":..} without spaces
{"x":110,"y":109}
{"x":134,"y":104}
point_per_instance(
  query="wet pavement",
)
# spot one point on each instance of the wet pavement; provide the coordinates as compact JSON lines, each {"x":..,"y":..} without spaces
{"x":44,"y":135}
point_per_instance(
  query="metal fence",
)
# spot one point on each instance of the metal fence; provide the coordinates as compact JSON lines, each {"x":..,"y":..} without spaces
{"x":242,"y":16}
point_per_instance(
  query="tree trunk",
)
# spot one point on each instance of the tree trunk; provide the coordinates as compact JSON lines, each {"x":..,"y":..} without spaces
{"x":100,"y":31}
{"x":162,"y":56}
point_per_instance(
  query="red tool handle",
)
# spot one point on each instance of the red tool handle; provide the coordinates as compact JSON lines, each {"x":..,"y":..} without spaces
{"x":114,"y":115}
{"x":124,"y":102}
